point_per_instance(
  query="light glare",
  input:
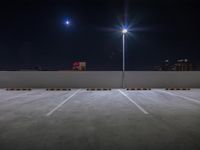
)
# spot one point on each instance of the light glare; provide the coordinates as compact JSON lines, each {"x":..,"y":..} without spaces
{"x":67,"y":23}
{"x":124,"y":31}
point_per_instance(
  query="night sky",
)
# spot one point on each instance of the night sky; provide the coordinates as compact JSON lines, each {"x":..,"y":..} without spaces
{"x":33,"y":33}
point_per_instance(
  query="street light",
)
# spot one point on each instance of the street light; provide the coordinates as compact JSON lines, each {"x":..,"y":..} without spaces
{"x":124,"y":32}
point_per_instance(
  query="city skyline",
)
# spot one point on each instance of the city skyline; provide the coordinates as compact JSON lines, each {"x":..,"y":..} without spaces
{"x":35,"y":34}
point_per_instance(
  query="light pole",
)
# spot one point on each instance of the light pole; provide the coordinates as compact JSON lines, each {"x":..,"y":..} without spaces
{"x":124,"y":31}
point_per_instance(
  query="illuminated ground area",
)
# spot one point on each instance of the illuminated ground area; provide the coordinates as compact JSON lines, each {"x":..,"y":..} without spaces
{"x":100,"y":120}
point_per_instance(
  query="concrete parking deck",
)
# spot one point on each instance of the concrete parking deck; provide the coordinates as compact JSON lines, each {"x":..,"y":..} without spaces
{"x":100,"y":120}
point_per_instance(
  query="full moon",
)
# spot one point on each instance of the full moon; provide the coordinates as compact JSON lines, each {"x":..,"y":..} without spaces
{"x":67,"y":22}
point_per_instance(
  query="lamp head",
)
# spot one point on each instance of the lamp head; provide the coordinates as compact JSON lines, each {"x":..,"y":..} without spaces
{"x":124,"y":31}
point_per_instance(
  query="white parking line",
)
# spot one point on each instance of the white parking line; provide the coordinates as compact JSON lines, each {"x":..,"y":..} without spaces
{"x":184,"y":94}
{"x":17,"y":96}
{"x":37,"y":97}
{"x":57,"y":107}
{"x":184,"y":97}
{"x":132,"y":101}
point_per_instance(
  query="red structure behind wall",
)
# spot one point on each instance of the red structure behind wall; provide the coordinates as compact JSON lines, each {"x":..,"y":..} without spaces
{"x":79,"y":66}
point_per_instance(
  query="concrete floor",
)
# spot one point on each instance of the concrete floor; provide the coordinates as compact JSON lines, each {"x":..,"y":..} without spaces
{"x":100,"y":120}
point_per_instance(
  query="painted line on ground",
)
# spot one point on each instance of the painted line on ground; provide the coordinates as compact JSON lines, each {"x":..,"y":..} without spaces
{"x":28,"y":94}
{"x":186,"y":95}
{"x":132,"y":101}
{"x":40,"y":97}
{"x":17,"y":96}
{"x":63,"y":102}
{"x":147,"y":96}
{"x":181,"y":96}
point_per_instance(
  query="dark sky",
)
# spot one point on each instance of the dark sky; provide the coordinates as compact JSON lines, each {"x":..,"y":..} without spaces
{"x":33,"y":33}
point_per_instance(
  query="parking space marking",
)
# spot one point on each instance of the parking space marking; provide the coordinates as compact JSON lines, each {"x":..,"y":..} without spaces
{"x":132,"y":101}
{"x":40,"y":97}
{"x":63,"y":102}
{"x":184,"y":94}
{"x":17,"y":96}
{"x":184,"y":97}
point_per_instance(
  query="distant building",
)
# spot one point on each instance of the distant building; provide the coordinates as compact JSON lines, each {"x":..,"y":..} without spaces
{"x":164,"y":66}
{"x":196,"y":67}
{"x":180,"y":65}
{"x":183,"y":65}
{"x":79,"y":66}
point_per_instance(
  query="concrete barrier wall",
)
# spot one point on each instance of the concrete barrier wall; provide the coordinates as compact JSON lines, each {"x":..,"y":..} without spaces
{"x":162,"y":79}
{"x":98,"y":79}
{"x":60,"y":79}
